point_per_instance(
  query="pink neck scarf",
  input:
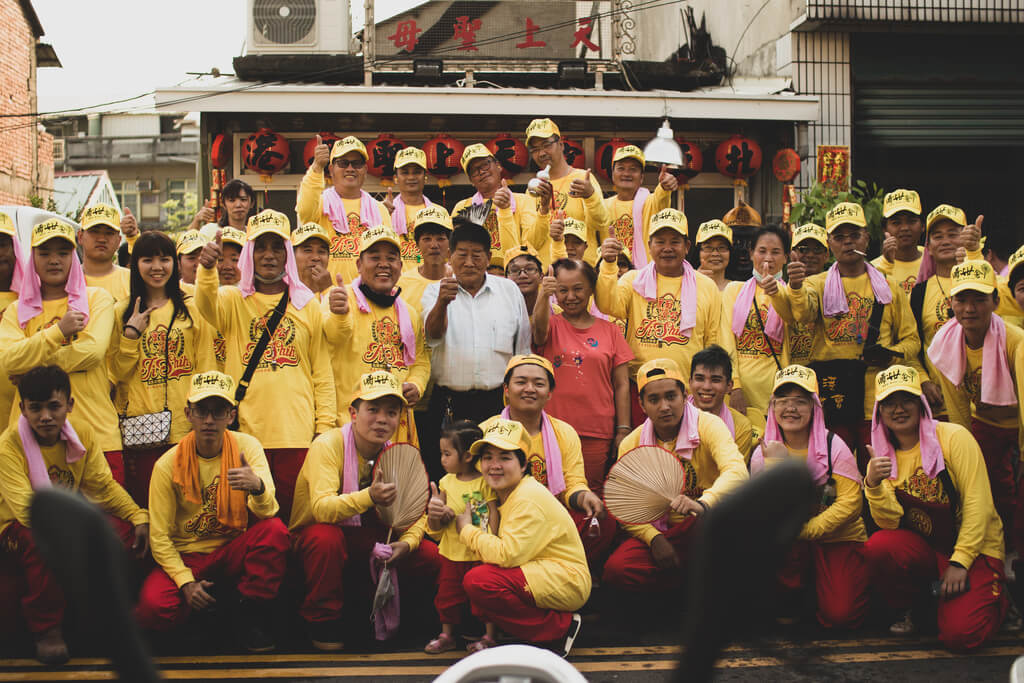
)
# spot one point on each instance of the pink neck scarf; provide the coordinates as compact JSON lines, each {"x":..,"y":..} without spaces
{"x":743,"y":306}
{"x":298,"y":293}
{"x":639,"y":248}
{"x":723,"y":412}
{"x":843,"y":462}
{"x":932,"y":461}
{"x":646,"y":285}
{"x":552,"y":452}
{"x":398,"y":217}
{"x":948,"y":353}
{"x":334,"y":209}
{"x":404,"y":323}
{"x":688,"y":438}
{"x":37,"y":474}
{"x":834,"y":300}
{"x":30,"y":291}
{"x":927,"y":267}
{"x":594,"y":311}
{"x":478,"y":199}
{"x":350,"y":470}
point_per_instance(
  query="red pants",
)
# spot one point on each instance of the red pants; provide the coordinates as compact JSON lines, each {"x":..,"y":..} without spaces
{"x":451,"y":596}
{"x":253,"y":562}
{"x":502,"y":597}
{"x":840,"y":575}
{"x":903,"y":563}
{"x":631,"y":567}
{"x":998,"y":447}
{"x":116,"y":462}
{"x":596,"y":453}
{"x":325,"y":550}
{"x":285,"y":464}
{"x":595,"y":546}
{"x":138,"y":468}
{"x":42,"y":601}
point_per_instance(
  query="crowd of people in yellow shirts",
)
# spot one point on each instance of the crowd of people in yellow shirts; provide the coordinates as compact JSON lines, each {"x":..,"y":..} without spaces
{"x":225,"y":397}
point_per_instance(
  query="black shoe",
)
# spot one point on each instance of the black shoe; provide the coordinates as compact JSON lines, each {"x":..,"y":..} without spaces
{"x":571,"y":634}
{"x":325,"y":635}
{"x":252,"y":626}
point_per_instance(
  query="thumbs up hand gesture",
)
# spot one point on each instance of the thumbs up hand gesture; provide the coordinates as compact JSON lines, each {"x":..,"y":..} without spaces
{"x":582,"y":187}
{"x":668,"y":182}
{"x":439,"y":514}
{"x":321,"y":154}
{"x":211,"y":252}
{"x":389,"y":201}
{"x":879,"y":468}
{"x":338,"y":298}
{"x":244,"y":478}
{"x":502,"y":196}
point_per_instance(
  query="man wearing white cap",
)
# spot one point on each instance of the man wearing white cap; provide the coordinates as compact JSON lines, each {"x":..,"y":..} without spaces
{"x":99,"y":237}
{"x":344,"y":209}
{"x":632,"y":205}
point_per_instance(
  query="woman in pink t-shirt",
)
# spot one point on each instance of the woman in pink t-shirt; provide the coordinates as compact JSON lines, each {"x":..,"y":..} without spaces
{"x":590,"y":357}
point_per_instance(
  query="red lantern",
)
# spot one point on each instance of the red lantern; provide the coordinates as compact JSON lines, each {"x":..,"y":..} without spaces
{"x":265,"y":152}
{"x":786,"y":165}
{"x":574,"y":154}
{"x":382,"y":151}
{"x":510,"y":153}
{"x":308,"y":151}
{"x":220,"y":151}
{"x":444,"y":154}
{"x":738,"y":158}
{"x":693,"y":160}
{"x":605,"y":153}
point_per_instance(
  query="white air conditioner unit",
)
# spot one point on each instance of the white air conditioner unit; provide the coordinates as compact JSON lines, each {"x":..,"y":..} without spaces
{"x":144,"y":185}
{"x":58,"y":151}
{"x":298,"y":27}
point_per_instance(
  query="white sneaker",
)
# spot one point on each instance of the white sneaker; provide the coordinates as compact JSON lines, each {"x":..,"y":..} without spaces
{"x":572,"y":633}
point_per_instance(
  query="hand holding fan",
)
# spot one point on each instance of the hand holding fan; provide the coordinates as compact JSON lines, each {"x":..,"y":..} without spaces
{"x":400,"y":464}
{"x":642,"y":484}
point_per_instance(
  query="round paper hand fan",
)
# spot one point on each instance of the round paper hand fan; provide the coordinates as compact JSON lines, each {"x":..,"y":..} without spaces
{"x":642,"y":483}
{"x":401,"y":464}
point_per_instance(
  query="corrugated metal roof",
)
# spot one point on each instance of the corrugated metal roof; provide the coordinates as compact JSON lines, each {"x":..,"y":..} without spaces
{"x":73,"y":191}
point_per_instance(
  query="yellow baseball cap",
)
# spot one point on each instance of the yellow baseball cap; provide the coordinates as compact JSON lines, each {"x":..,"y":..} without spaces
{"x":531,"y":359}
{"x":410,"y":155}
{"x":659,"y":368}
{"x":378,"y":233}
{"x":542,"y":128}
{"x":713,"y":228}
{"x":574,"y":227}
{"x":845,"y":213}
{"x":946,"y":212}
{"x":800,"y":375}
{"x":6,"y":224}
{"x":508,"y":435}
{"x":1015,"y":260}
{"x":901,"y":200}
{"x":897,"y":378}
{"x":189,"y":241}
{"x":474,"y":151}
{"x":810,"y":231}
{"x":53,"y":228}
{"x":101,"y":214}
{"x":378,"y":384}
{"x":629,"y":152}
{"x":232,"y":235}
{"x":310,"y":230}
{"x":269,"y":221}
{"x":978,"y":276}
{"x":346,"y":145}
{"x":435,"y":214}
{"x":212,"y":383}
{"x":670,"y":218}
{"x":521,"y":250}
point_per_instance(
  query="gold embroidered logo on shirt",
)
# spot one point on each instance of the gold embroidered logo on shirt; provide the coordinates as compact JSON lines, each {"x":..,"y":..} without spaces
{"x":753,"y":341}
{"x":204,"y":523}
{"x":386,"y":349}
{"x":151,"y":365}
{"x":281,"y":349}
{"x":850,"y":327}
{"x":622,"y":228}
{"x":660,"y":324}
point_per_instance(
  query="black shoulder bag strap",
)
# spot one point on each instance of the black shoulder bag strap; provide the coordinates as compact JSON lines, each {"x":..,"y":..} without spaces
{"x":261,"y":346}
{"x":917,"y":308}
{"x":767,"y":339}
{"x":954,"y":495}
{"x":828,"y":449}
{"x":874,"y":324}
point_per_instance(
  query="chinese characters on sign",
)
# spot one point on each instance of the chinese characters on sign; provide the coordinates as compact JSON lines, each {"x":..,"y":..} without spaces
{"x":834,"y":165}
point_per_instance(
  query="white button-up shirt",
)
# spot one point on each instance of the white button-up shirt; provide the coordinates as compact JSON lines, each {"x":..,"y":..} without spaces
{"x":483,"y":333}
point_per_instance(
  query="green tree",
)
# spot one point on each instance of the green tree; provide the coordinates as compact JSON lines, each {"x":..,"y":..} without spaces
{"x":179,"y":214}
{"x":817,"y":200}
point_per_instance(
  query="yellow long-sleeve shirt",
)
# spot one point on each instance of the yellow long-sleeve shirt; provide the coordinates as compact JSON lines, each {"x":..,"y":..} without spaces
{"x":843,"y":337}
{"x":291,"y":397}
{"x":90,"y":475}
{"x":309,"y":207}
{"x":592,"y":211}
{"x":318,"y":488}
{"x":621,"y":215}
{"x":757,"y":366}
{"x":138,"y":364}
{"x":981,"y":531}
{"x":572,"y":459}
{"x":503,"y":225}
{"x":117,"y":283}
{"x":364,"y":342}
{"x":538,"y":536}
{"x":743,"y":434}
{"x":83,"y":357}
{"x":457,"y":494}
{"x":7,"y":388}
{"x":411,"y":257}
{"x":715,"y":469}
{"x":179,"y":526}
{"x":963,"y":401}
{"x":413,"y":285}
{"x":903,"y":273}
{"x":652,"y":327}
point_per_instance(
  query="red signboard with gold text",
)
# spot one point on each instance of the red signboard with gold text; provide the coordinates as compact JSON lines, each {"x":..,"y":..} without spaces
{"x":834,"y":165}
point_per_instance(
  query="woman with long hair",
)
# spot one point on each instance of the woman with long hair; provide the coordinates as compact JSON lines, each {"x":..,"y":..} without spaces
{"x":162,"y":341}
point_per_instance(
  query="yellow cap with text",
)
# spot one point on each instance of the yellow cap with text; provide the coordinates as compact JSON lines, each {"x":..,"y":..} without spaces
{"x":346,"y":145}
{"x":308,"y":231}
{"x":435,"y":214}
{"x":6,"y":224}
{"x":897,"y":378}
{"x":542,"y":128}
{"x":978,"y":276}
{"x":901,"y":200}
{"x":672,"y":219}
{"x":378,"y":384}
{"x":800,"y":375}
{"x":269,"y":221}
{"x":411,"y":155}
{"x":574,"y":227}
{"x":946,"y":212}
{"x":810,"y":231}
{"x":101,"y":214}
{"x":53,"y":228}
{"x":713,"y":228}
{"x":507,"y":435}
{"x":629,"y":152}
{"x":845,"y":213}
{"x":474,"y":151}
{"x":378,"y":233}
{"x":212,"y":383}
{"x":190,"y":241}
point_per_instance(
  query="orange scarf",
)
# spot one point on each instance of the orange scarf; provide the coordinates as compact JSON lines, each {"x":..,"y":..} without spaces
{"x":231,"y":508}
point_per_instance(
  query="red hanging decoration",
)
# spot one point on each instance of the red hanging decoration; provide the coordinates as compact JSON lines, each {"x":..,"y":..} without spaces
{"x":309,"y":149}
{"x":605,"y":153}
{"x":510,"y":153}
{"x":574,"y":154}
{"x":382,"y":151}
{"x":738,"y":158}
{"x":444,"y":154}
{"x":786,"y":165}
{"x":693,"y":161}
{"x":220,"y":152}
{"x":265,"y":152}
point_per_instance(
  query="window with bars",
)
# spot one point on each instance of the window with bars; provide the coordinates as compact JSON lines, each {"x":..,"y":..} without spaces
{"x":128,"y":195}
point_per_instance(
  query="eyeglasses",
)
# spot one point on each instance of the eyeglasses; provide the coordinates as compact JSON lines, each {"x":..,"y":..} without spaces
{"x":904,"y":401}
{"x":543,"y":145}
{"x":525,"y":270}
{"x":712,"y":249}
{"x":217,"y":413}
{"x":346,"y":163}
{"x":480,"y":168}
{"x":812,"y":249}
{"x":794,"y":402}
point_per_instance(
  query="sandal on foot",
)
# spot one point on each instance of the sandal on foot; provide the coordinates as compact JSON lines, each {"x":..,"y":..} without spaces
{"x":903,"y":627}
{"x":443,"y":643}
{"x":482,"y":644}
